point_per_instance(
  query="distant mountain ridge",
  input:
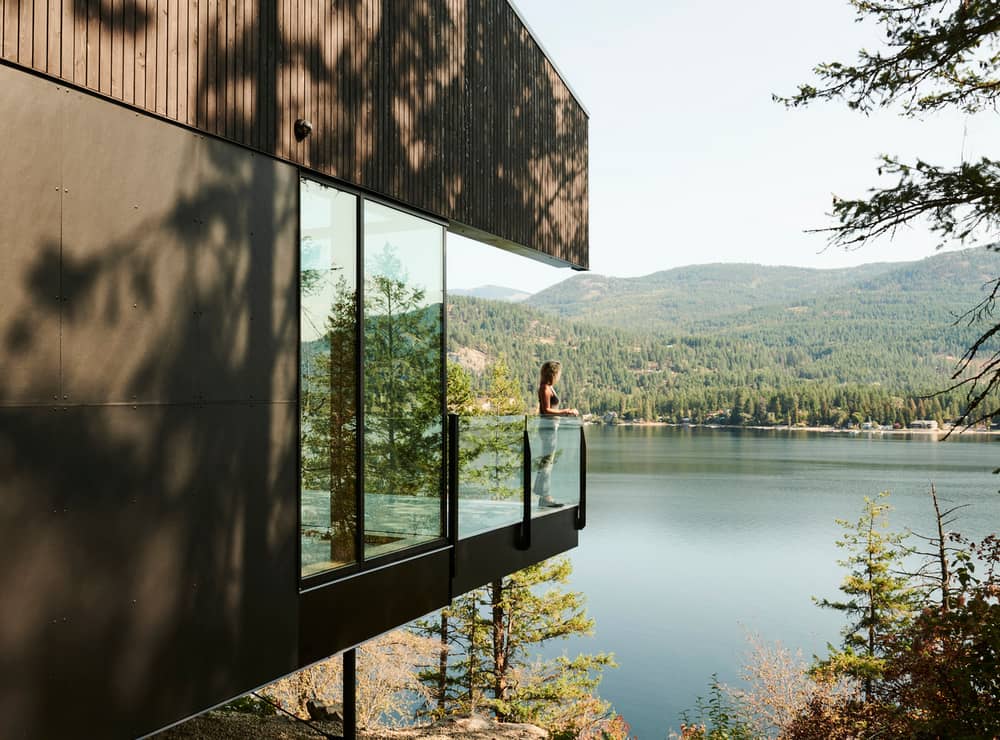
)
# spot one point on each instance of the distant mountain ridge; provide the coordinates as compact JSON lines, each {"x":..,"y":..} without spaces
{"x":493,"y":293}
{"x":700,"y":339}
{"x":689,"y":297}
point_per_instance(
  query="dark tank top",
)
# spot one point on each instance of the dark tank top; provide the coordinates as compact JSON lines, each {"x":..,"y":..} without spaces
{"x":553,"y":399}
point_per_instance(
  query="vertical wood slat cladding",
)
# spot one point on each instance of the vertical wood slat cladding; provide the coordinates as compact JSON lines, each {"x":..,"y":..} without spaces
{"x":104,"y":56}
{"x":172,"y":56}
{"x":232,"y":56}
{"x":183,"y":52}
{"x":54,"y":34}
{"x":89,"y":30}
{"x":117,"y":50}
{"x":24,"y":45}
{"x":139,"y":77}
{"x":449,"y":106}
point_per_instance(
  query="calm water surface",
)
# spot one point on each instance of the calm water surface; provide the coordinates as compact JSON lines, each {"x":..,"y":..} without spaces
{"x":697,"y":536}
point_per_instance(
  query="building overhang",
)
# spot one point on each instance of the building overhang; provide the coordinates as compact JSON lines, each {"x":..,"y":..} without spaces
{"x":453,"y":109}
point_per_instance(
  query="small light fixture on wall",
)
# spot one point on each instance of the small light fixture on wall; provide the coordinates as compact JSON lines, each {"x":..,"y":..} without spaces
{"x":302,"y":128}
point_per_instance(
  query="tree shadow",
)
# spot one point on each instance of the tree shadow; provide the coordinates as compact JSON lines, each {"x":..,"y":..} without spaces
{"x":449,"y":106}
{"x":148,"y":409}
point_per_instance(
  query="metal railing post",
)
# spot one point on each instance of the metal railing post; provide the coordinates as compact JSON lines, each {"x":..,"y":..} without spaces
{"x":453,"y":442}
{"x":525,"y":539}
{"x":581,"y":509}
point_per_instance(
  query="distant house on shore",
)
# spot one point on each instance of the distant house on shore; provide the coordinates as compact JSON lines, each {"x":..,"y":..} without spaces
{"x":923,"y":424}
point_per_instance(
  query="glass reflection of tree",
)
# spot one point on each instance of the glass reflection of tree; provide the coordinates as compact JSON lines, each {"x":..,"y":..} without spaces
{"x":403,"y":416}
{"x":329,"y":421}
{"x":500,"y":443}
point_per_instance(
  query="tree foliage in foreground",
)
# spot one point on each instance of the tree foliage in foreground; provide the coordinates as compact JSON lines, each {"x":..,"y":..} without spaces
{"x":939,"y":673}
{"x":492,"y":635}
{"x":879,"y":600}
{"x":387,"y":680}
{"x":933,"y":672}
{"x":937,"y":54}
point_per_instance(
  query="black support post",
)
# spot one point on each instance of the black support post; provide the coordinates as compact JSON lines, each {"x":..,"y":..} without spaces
{"x":581,"y":509}
{"x":453,"y":488}
{"x":350,"y":695}
{"x":525,"y":539}
{"x":359,"y":383}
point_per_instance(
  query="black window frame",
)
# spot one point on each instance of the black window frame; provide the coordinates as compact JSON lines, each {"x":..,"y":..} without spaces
{"x":361,"y":564}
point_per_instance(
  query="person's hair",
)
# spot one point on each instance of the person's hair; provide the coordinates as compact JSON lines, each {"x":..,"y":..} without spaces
{"x":549,"y":372}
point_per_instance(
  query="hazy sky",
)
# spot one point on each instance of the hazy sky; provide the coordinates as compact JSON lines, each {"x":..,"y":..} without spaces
{"x":690,"y":160}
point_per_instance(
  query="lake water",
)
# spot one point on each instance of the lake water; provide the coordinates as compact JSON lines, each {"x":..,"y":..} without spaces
{"x":697,"y":536}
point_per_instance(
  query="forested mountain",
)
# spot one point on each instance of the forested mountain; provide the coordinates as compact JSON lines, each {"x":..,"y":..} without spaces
{"x":747,"y":343}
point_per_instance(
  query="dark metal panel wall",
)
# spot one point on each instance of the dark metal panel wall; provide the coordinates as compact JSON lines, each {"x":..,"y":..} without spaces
{"x":350,"y":611}
{"x":29,"y":243}
{"x":148,"y":513}
{"x":126,"y":255}
{"x":447,"y":105}
{"x":492,"y":555}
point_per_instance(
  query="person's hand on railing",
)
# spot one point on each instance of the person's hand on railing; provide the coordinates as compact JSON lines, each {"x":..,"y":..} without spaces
{"x":563,"y":412}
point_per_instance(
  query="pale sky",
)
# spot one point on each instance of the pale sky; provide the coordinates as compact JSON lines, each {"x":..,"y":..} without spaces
{"x":690,"y":160}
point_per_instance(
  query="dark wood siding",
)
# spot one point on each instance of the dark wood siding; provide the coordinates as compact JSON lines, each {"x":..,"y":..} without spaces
{"x":447,"y":105}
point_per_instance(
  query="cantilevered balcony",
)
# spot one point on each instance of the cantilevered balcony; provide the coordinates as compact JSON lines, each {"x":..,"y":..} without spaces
{"x":517,"y":493}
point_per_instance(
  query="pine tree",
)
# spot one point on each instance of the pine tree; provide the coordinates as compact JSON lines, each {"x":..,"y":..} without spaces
{"x":492,"y":634}
{"x":879,"y":600}
{"x":329,"y":421}
{"x":402,"y":352}
{"x":498,"y":439}
{"x":523,"y":618}
{"x":461,"y":400}
{"x":471,"y":636}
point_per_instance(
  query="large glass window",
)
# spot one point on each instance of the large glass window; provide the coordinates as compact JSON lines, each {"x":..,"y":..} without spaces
{"x":328,"y":382}
{"x":403,"y":380}
{"x":399,"y":490}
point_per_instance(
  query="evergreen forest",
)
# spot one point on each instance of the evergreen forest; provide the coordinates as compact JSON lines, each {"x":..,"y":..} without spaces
{"x":742,"y":344}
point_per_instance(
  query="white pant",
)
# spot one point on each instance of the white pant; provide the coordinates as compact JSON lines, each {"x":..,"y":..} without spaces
{"x":548,"y":432}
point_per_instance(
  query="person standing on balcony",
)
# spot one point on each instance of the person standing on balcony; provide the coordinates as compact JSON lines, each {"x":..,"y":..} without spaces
{"x":548,"y":430}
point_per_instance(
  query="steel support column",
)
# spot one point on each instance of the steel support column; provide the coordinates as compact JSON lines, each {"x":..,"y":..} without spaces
{"x":350,"y":694}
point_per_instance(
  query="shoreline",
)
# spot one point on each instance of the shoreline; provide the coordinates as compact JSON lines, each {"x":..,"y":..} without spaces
{"x":938,"y":434}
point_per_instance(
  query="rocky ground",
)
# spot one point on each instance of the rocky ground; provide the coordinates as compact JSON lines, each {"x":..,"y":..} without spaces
{"x":236,"y":726}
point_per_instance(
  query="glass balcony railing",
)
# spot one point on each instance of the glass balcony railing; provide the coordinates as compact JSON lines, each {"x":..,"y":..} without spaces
{"x":511,"y":469}
{"x":490,"y":473}
{"x":555,"y":462}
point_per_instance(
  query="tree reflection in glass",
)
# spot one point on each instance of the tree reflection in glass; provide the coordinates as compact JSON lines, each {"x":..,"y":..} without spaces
{"x":328,"y":366}
{"x":402,"y":380}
